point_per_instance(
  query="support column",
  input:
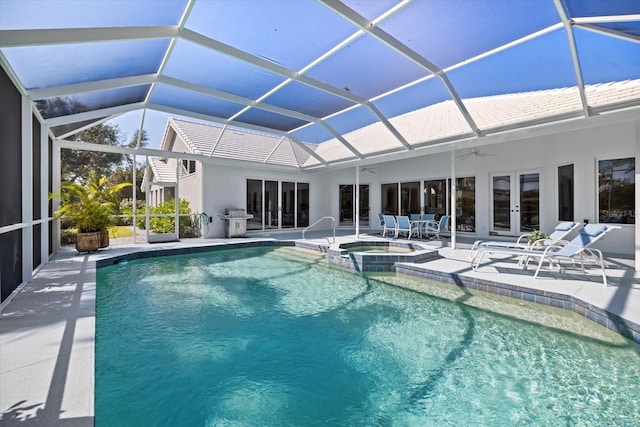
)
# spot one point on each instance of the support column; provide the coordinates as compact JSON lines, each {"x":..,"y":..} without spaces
{"x":177,"y":198}
{"x":637,"y":203}
{"x":27,"y":190}
{"x":135,"y":203}
{"x":55,"y":175}
{"x":44,"y":193}
{"x":357,"y":202}
{"x":453,"y":199}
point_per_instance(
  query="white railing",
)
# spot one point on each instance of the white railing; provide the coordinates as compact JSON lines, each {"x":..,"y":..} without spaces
{"x":333,"y":220}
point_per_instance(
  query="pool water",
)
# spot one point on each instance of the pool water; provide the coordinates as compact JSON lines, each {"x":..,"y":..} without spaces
{"x":273,"y":337}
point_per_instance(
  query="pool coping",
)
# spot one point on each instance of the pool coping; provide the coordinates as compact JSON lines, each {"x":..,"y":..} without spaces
{"x":47,"y":333}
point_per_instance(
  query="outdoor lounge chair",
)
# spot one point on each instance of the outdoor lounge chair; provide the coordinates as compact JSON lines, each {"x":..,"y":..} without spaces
{"x":577,"y":249}
{"x":435,"y":228}
{"x":389,"y":224}
{"x":560,"y":232}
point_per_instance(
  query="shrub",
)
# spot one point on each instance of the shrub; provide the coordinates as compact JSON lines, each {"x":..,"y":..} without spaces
{"x":68,"y":236}
{"x":166,"y":224}
{"x":126,"y":209}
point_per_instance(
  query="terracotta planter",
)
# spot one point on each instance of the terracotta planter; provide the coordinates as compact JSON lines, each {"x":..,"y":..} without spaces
{"x":104,"y":239}
{"x":88,"y":242}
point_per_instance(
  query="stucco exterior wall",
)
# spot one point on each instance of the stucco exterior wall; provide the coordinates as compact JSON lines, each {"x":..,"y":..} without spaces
{"x":225,"y":186}
{"x":191,"y":189}
{"x":582,"y":148}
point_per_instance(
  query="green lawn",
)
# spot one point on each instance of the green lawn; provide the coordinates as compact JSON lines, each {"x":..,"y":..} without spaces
{"x":117,"y":231}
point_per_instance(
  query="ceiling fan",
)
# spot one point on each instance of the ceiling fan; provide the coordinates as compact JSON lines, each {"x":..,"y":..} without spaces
{"x":368,"y":169}
{"x":474,"y":152}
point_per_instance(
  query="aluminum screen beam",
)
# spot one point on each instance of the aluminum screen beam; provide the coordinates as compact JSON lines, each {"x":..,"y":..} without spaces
{"x":367,"y":26}
{"x":574,"y":54}
{"x":77,"y":88}
{"x":15,"y":38}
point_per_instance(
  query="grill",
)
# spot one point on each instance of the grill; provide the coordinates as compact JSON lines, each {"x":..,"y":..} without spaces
{"x":236,"y":222}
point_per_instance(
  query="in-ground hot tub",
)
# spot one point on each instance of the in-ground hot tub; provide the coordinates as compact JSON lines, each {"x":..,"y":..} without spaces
{"x":378,"y":256}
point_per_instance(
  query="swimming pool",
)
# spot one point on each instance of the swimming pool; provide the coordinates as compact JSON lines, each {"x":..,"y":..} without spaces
{"x":268,"y":336}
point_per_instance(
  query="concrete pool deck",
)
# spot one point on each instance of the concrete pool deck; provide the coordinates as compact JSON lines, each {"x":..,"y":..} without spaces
{"x":47,"y":330}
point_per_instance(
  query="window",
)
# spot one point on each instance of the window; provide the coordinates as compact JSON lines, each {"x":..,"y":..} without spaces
{"x":288,"y":204}
{"x":364,"y":205}
{"x":616,"y":191}
{"x":565,"y":193}
{"x":345,"y":200}
{"x":189,"y":166}
{"x":410,"y":198}
{"x":169,"y":194}
{"x":389,"y":202}
{"x":303,"y":204}
{"x":466,"y":204}
{"x":435,"y":196}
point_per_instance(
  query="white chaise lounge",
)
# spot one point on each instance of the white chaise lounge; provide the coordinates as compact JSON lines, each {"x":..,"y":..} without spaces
{"x":577,"y":249}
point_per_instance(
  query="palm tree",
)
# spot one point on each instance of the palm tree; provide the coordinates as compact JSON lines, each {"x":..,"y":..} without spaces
{"x":90,"y":207}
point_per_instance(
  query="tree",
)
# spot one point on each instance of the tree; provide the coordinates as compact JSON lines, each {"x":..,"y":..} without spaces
{"x":77,"y":164}
{"x":124,"y":172}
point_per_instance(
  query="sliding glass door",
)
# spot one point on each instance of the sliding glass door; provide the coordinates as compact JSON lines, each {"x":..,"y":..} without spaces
{"x":347,"y":212}
{"x":288,"y":197}
{"x":254,"y":204}
{"x":277,"y":204}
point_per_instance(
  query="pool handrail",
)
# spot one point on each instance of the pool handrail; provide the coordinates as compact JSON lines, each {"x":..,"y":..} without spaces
{"x":333,"y":220}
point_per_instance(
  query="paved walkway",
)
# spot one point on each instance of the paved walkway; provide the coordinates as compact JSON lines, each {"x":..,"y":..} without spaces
{"x":47,"y":331}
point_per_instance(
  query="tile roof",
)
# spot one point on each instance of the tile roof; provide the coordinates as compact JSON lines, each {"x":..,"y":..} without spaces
{"x":157,"y":170}
{"x":444,"y":121}
{"x":233,"y":143}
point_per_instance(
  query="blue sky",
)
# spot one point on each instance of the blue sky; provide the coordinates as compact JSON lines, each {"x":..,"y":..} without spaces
{"x":155,"y":123}
{"x":292,"y":34}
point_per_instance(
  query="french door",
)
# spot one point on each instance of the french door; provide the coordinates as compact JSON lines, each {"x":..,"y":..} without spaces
{"x":515,"y":202}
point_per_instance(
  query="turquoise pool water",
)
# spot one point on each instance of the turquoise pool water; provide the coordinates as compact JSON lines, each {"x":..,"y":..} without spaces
{"x":273,"y":337}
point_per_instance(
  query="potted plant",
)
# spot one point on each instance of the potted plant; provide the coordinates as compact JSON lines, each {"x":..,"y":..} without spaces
{"x":536,"y":237}
{"x":90,"y":208}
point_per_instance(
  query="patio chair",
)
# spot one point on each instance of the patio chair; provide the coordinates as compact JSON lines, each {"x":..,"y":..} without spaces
{"x":389,"y":224}
{"x":434,"y":229}
{"x":405,"y":226}
{"x":426,"y":218}
{"x":577,"y":249}
{"x":381,"y":221}
{"x":560,"y":232}
{"x":414,"y":217}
